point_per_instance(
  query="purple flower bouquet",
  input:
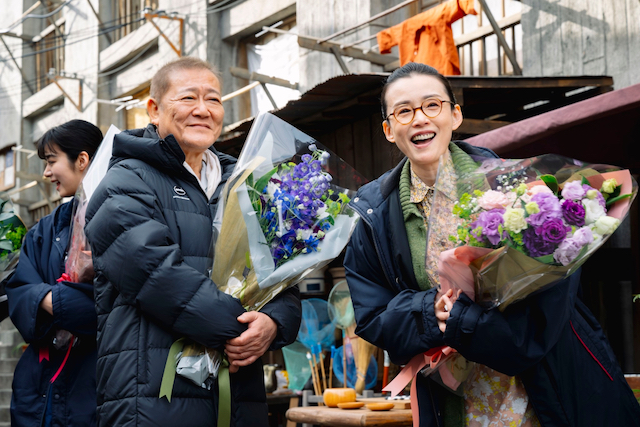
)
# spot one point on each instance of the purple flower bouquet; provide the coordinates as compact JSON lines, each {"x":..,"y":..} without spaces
{"x":522,"y":225}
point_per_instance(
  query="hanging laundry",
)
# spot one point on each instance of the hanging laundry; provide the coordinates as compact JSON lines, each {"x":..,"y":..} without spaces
{"x":427,"y":37}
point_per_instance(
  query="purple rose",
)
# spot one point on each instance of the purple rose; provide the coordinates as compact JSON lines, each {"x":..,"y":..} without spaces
{"x":573,"y":213}
{"x":573,"y":191}
{"x":490,"y":221}
{"x":536,"y":244}
{"x":549,"y":208}
{"x":553,"y":231}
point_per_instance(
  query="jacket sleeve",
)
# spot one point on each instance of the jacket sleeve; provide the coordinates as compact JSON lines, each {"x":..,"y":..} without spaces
{"x":402,"y":323}
{"x":133,"y":249}
{"x":286,"y":311}
{"x":518,"y":338}
{"x":73,"y":305}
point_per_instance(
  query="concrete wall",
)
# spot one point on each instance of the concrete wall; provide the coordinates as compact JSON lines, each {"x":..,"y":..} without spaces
{"x":11,"y":85}
{"x":322,"y":18}
{"x":582,"y":37}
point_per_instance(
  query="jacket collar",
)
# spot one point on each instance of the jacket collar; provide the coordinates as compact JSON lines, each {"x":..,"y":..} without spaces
{"x":164,"y":155}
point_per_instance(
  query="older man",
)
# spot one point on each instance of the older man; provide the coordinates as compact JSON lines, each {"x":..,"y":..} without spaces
{"x":150,"y":228}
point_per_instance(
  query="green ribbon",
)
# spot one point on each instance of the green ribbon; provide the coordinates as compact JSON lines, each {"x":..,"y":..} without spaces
{"x":224,"y":395}
{"x":169,"y":374}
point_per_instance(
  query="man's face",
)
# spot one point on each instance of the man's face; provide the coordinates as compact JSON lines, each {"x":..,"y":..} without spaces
{"x":191,"y":110}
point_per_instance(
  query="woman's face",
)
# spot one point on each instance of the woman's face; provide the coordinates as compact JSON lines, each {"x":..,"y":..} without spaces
{"x":66,"y":175}
{"x":425,"y":139}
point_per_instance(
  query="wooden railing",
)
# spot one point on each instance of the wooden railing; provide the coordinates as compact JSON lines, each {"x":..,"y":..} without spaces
{"x":473,"y":46}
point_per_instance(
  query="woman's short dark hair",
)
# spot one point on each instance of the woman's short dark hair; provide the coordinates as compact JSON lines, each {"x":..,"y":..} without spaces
{"x":406,"y":71}
{"x":73,"y":138}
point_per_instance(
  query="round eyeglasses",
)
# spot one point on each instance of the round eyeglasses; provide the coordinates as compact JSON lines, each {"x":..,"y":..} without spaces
{"x":431,"y":107}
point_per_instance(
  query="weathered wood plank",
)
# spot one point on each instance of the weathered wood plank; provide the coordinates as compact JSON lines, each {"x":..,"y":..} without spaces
{"x":617,"y":42}
{"x":593,"y":38}
{"x":633,"y":36}
{"x":572,"y":39}
{"x":551,"y":16}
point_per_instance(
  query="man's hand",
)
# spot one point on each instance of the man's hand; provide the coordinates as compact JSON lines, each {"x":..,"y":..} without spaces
{"x":253,"y":343}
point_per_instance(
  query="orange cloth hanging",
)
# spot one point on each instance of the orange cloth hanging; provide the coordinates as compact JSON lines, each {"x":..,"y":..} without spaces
{"x":427,"y":37}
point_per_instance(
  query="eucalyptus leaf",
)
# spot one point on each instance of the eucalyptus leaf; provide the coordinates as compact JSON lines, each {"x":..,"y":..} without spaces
{"x":7,"y":245}
{"x":551,"y":182}
{"x":546,"y":259}
{"x":617,"y":199}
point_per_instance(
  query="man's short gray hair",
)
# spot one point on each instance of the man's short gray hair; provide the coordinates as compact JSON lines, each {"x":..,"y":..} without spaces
{"x":161,"y":81}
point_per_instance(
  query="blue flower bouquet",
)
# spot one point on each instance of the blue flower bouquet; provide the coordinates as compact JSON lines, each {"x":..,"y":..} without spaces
{"x":522,"y":225}
{"x":284,"y":213}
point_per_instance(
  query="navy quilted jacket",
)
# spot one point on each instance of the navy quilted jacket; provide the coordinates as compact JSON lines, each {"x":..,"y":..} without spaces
{"x":150,"y":227}
{"x":72,"y":397}
{"x":551,"y":340}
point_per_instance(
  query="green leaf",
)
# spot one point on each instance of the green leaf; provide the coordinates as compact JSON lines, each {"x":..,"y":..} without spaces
{"x":585,"y":181}
{"x":546,"y":259}
{"x":6,"y":245}
{"x":617,"y":199}
{"x":264,"y":180}
{"x":551,"y":182}
{"x":616,"y":192}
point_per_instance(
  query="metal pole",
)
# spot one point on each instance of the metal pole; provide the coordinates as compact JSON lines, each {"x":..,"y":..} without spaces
{"x":273,"y":101}
{"x":373,"y":18}
{"x":503,"y":42}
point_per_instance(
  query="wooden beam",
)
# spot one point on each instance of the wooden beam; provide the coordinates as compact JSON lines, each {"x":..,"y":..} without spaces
{"x":353,"y":52}
{"x":336,"y":54}
{"x":176,"y":49}
{"x":243,"y":73}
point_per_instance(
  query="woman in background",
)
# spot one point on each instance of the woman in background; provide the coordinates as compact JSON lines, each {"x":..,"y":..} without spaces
{"x":54,"y":381}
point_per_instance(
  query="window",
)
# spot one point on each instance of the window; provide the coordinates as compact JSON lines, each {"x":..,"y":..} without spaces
{"x":137,"y":116}
{"x":271,"y":54}
{"x":127,"y":14}
{"x":7,"y":169}
{"x":50,"y":55}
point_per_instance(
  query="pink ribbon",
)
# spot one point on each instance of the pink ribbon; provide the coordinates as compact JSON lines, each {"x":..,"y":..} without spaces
{"x":43,"y":354}
{"x":432,"y":358}
{"x":64,"y":361}
{"x":64,"y":278}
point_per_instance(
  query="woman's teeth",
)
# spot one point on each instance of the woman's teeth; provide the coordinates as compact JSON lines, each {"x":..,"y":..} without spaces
{"x":423,"y":137}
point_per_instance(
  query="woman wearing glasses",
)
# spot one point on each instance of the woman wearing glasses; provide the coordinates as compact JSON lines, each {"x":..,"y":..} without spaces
{"x":531,"y":367}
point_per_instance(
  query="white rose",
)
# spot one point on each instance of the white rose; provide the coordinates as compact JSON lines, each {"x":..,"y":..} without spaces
{"x":605,"y":225}
{"x":593,"y":210}
{"x":514,"y":220}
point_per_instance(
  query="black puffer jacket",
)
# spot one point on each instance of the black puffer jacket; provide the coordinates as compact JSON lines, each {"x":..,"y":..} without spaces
{"x":150,"y":225}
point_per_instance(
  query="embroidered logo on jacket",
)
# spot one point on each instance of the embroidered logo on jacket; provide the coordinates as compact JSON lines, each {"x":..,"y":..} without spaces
{"x":180,"y":193}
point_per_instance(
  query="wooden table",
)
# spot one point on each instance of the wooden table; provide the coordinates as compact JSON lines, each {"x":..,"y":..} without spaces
{"x":325,"y":416}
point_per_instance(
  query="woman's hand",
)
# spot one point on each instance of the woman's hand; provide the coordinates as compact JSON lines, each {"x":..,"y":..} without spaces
{"x":253,"y":343}
{"x":443,"y":306}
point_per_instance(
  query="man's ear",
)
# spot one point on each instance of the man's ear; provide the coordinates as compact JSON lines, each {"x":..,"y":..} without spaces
{"x":388,"y":133}
{"x":82,"y":162}
{"x":152,"y":109}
